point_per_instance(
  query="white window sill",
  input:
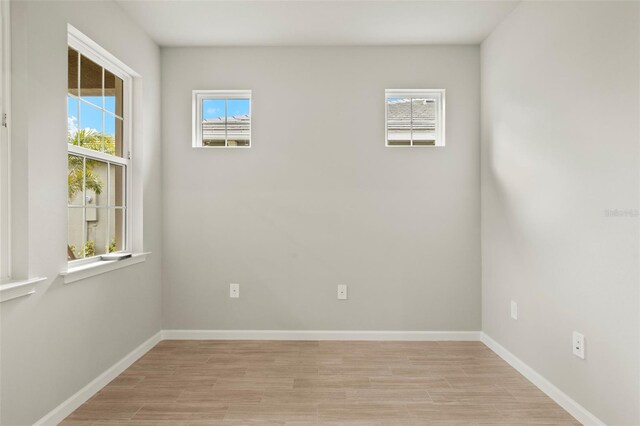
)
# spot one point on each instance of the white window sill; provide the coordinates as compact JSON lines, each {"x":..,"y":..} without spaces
{"x":218,"y":147}
{"x":98,"y":267}
{"x":14,"y":289}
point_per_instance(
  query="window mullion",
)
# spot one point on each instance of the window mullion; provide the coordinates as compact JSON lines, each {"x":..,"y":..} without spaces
{"x":411,"y":120}
{"x":79,"y":84}
{"x":108,"y":203}
{"x":84,"y":205}
{"x":77,"y":140}
{"x":102,"y":112}
{"x":226,"y":123}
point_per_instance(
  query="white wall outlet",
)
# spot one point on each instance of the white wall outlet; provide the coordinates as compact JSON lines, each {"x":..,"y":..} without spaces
{"x":578,"y":344}
{"x":234,"y":290}
{"x":514,"y":310}
{"x":342,"y":292}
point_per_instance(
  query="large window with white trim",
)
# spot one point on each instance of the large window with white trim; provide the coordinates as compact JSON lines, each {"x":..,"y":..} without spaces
{"x":99,"y":154}
{"x":414,"y":118}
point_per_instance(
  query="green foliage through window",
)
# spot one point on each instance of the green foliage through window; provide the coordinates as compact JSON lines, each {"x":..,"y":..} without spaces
{"x":93,"y":140}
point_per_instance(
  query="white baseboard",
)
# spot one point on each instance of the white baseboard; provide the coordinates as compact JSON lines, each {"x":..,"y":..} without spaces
{"x":319,"y":335}
{"x":76,"y":400}
{"x":562,"y":399}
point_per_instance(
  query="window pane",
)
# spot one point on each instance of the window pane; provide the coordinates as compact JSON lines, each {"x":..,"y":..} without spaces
{"x":96,"y":183}
{"x":72,"y":68}
{"x":113,"y":135}
{"x":117,"y":185}
{"x":89,"y":134}
{"x":117,"y":230}
{"x":90,"y":81}
{"x":424,"y":122}
{"x":398,"y":121}
{"x":213,"y":122}
{"x":75,"y":180}
{"x":238,"y":122}
{"x":112,"y":93}
{"x":75,"y":238}
{"x":97,"y":231}
{"x":72,"y":119}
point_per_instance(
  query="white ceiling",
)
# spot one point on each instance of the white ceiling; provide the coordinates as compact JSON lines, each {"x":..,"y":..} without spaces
{"x":296,"y":23}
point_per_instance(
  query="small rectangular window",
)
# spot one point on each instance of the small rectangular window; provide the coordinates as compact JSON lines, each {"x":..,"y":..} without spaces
{"x":414,"y":117}
{"x":221,"y":118}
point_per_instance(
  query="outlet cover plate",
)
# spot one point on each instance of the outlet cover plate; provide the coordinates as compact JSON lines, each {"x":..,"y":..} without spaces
{"x":578,"y":344}
{"x":342,"y":292}
{"x":234,"y":290}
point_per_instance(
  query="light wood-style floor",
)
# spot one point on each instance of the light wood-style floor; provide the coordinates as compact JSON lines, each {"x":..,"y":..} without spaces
{"x":322,"y":383}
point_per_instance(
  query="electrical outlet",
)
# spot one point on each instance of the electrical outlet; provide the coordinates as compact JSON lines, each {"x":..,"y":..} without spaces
{"x":578,"y":344}
{"x":342,"y":292}
{"x":514,"y":310}
{"x":234,"y":290}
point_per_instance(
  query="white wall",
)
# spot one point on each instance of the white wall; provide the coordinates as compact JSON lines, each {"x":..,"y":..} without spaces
{"x":64,"y":336}
{"x":318,"y":200}
{"x":560,"y":107}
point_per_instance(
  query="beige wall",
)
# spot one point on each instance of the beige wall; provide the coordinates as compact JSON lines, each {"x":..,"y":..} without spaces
{"x":318,"y":200}
{"x":560,"y":107}
{"x":58,"y":340}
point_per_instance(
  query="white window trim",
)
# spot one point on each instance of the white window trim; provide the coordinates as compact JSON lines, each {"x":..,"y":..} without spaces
{"x":90,"y":49}
{"x":90,"y":269}
{"x":15,"y":289}
{"x":5,"y":147}
{"x":198,"y":96}
{"x":10,"y":289}
{"x":436,"y":94}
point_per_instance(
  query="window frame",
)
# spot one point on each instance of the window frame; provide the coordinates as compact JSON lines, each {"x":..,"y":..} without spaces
{"x":5,"y":146}
{"x":198,"y":96}
{"x":94,"y":52}
{"x":438,"y":95}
